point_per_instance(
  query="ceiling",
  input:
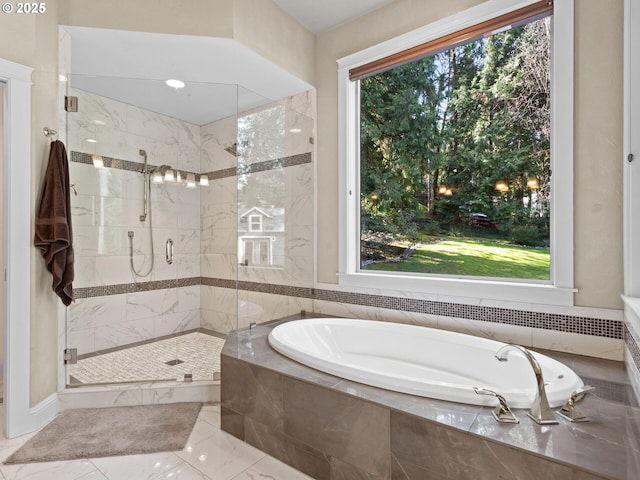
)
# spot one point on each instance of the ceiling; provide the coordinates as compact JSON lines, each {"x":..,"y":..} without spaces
{"x":222,"y":76}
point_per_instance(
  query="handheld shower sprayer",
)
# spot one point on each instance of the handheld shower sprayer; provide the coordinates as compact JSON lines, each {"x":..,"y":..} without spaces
{"x":146,"y":194}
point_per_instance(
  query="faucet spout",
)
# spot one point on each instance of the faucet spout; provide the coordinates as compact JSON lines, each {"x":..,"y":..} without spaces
{"x":540,"y":411}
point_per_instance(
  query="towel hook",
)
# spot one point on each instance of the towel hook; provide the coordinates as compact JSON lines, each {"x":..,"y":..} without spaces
{"x":48,"y":132}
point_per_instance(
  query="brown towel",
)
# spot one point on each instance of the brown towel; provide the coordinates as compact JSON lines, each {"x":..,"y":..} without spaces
{"x":53,"y":234}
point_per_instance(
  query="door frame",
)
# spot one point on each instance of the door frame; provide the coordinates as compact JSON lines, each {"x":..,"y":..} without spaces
{"x":19,"y":417}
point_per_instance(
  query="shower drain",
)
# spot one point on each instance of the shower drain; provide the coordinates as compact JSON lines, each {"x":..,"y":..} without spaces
{"x":175,"y":362}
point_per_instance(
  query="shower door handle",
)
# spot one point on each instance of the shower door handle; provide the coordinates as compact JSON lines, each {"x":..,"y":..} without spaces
{"x":169,"y":251}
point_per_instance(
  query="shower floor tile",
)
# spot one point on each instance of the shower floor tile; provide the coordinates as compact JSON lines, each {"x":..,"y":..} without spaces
{"x":195,"y":353}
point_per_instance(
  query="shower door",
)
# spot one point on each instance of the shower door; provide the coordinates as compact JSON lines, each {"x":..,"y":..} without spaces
{"x":275,"y":210}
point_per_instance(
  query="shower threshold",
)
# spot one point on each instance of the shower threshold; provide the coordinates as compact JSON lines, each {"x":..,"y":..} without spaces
{"x":189,"y":356}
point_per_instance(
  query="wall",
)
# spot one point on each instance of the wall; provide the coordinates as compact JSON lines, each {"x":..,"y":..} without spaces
{"x":598,"y":177}
{"x":257,"y":24}
{"x":32,"y":40}
{"x":107,"y":206}
{"x":598,"y":150}
{"x":2,"y":306}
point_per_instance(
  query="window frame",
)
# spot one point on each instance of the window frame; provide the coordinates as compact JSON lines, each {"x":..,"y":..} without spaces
{"x":560,"y":289}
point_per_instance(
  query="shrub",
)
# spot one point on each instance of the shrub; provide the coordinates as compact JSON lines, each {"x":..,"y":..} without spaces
{"x":527,"y":235}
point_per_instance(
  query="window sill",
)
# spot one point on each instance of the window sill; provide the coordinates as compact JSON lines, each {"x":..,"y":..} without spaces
{"x":537,"y":293}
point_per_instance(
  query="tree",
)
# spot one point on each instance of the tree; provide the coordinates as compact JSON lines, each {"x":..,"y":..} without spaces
{"x":463,"y":118}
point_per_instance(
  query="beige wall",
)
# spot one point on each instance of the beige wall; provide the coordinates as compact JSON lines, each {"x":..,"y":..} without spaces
{"x":182,"y":17}
{"x":32,"y":40}
{"x":598,"y":152}
{"x":258,"y":24}
{"x":598,"y":139}
{"x":1,"y":224}
{"x":269,"y":31}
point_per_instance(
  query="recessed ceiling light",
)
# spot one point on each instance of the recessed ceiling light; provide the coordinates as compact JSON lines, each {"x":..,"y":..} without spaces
{"x":295,"y":130}
{"x":172,"y":82}
{"x":90,"y":140}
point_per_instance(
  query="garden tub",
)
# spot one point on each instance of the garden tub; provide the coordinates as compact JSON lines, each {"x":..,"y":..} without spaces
{"x":421,"y":361}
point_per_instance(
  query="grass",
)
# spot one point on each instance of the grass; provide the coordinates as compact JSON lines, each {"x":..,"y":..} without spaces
{"x":475,"y":258}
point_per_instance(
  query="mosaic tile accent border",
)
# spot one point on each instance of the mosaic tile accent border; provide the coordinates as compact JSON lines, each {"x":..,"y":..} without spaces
{"x":219,"y":282}
{"x":119,"y":289}
{"x":633,"y":344}
{"x":599,"y":327}
{"x":284,"y":162}
{"x":286,"y":290}
{"x":278,"y":163}
{"x":548,"y":321}
{"x":109,"y":162}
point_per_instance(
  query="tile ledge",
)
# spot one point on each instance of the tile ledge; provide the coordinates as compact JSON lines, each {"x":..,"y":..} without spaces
{"x":633,"y":303}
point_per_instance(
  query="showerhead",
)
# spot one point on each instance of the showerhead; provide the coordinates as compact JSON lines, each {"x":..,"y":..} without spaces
{"x":232,"y":149}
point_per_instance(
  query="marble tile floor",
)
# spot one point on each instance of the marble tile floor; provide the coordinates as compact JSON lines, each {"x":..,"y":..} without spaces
{"x":168,"y":359}
{"x":210,"y":454}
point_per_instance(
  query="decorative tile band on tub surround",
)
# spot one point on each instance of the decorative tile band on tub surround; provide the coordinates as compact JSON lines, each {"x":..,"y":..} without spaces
{"x":633,"y":344}
{"x":291,"y":161}
{"x":599,"y":327}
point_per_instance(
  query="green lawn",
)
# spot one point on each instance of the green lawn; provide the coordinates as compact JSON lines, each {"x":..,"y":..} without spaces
{"x":470,"y":257}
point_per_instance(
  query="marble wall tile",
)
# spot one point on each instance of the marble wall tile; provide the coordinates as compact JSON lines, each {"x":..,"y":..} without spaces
{"x":151,"y":304}
{"x":219,"y":265}
{"x":189,"y":140}
{"x":494,"y":331}
{"x":107,"y":112}
{"x":94,"y":312}
{"x":301,"y":456}
{"x":101,"y":240}
{"x":218,"y":322}
{"x":456,"y":455}
{"x":254,"y":392}
{"x":84,"y":271}
{"x":131,"y":331}
{"x":403,"y":470}
{"x":112,"y":270}
{"x":400,"y":316}
{"x":341,"y":470}
{"x":346,"y":428}
{"x":84,"y":210}
{"x":188,"y":298}
{"x":232,"y":422}
{"x":188,"y":266}
{"x":82,"y":339}
{"x":176,"y":322}
{"x":215,"y":137}
{"x":187,"y":241}
{"x":303,"y":103}
{"x":601,"y":347}
{"x":345,"y":310}
{"x":161,"y":269}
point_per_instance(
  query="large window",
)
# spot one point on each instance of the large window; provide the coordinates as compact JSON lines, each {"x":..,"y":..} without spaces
{"x":448,"y":150}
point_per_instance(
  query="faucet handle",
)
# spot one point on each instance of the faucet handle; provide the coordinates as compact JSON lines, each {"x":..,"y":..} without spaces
{"x":570,"y":411}
{"x":502,"y":413}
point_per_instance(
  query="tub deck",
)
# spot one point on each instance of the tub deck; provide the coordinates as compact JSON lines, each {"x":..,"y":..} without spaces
{"x":331,"y":428}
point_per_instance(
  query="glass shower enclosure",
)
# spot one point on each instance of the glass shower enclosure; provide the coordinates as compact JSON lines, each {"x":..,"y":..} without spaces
{"x":192,"y":212}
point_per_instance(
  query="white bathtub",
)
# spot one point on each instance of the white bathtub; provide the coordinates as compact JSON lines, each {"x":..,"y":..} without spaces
{"x":420,"y":361}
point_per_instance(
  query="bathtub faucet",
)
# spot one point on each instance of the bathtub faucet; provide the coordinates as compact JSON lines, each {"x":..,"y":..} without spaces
{"x":540,"y":411}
